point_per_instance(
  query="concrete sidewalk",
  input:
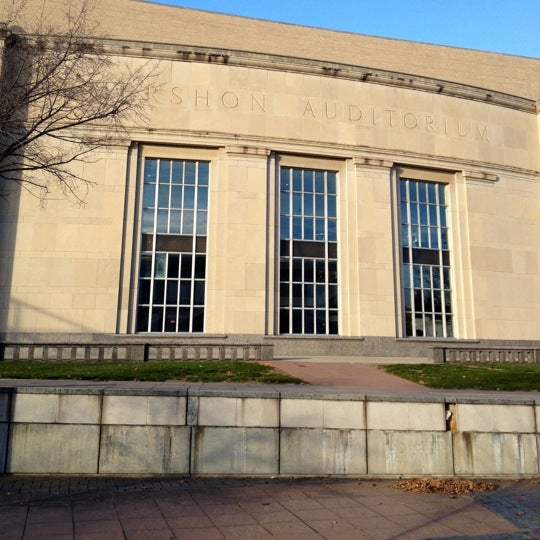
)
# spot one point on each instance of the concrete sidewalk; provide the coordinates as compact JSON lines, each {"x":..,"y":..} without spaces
{"x":349,"y":372}
{"x":222,"y":508}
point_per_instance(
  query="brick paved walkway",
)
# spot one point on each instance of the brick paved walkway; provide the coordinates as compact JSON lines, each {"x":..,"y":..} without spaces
{"x":196,"y":508}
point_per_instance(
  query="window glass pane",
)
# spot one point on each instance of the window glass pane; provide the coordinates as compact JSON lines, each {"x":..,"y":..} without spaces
{"x":162,"y":221}
{"x":332,"y":230}
{"x":157,"y":320}
{"x":183,"y":320}
{"x":297,"y":269}
{"x":185,"y":292}
{"x":176,"y":197}
{"x":422,"y":192}
{"x":173,"y":265}
{"x":177,"y":172}
{"x":142,"y":319}
{"x":309,"y":296}
{"x":172,"y":292}
{"x":185,"y":269}
{"x":159,"y":291}
{"x":284,"y":295}
{"x":434,"y":237}
{"x":308,"y":181}
{"x":309,"y":322}
{"x":170,"y":319}
{"x":319,"y":182}
{"x":150,"y":170}
{"x":297,"y":228}
{"x":308,"y":229}
{"x":297,"y":180}
{"x":332,"y":272}
{"x":331,"y":183}
{"x":308,"y":271}
{"x":159,"y":265}
{"x":403,"y":190}
{"x":189,"y":177}
{"x":333,"y":322}
{"x":332,"y":296}
{"x":189,"y":197}
{"x":297,"y":204}
{"x":149,"y":198}
{"x":297,"y":295}
{"x":202,"y":219}
{"x":320,"y":274}
{"x":200,"y":266}
{"x":284,"y":228}
{"x":144,"y":291}
{"x":321,"y":321}
{"x":283,"y":321}
{"x":187,"y":222}
{"x":204,"y":168}
{"x":164,"y":171}
{"x":198,"y":293}
{"x":319,"y":205}
{"x":146,"y":265}
{"x":284,"y":204}
{"x":321,"y":295}
{"x":148,"y":221}
{"x":285,"y":180}
{"x":319,"y":229}
{"x":332,"y":207}
{"x":297,"y":321}
{"x":284,"y":269}
{"x":308,"y":205}
{"x":441,"y":194}
{"x":175,"y":222}
{"x":163,"y":196}
{"x":432,"y":193}
{"x":198,"y":319}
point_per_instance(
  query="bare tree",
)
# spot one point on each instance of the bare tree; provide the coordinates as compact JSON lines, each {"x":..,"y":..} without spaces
{"x":62,"y":96}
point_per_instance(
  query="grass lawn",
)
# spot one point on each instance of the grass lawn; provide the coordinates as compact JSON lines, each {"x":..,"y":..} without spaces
{"x":471,"y":376}
{"x":148,"y":371}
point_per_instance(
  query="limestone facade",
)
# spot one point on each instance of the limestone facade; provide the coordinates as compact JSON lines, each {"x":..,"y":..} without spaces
{"x":252,"y":99}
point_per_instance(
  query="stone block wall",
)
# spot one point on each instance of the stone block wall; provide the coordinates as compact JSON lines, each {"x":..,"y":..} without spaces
{"x":263,"y":430}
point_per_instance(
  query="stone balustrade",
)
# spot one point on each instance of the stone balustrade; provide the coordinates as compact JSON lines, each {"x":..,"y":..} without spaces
{"x":501,"y":355}
{"x":136,"y":352}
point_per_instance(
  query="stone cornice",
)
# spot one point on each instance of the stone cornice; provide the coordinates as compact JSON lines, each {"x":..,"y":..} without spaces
{"x":316,"y":67}
{"x":199,"y":54}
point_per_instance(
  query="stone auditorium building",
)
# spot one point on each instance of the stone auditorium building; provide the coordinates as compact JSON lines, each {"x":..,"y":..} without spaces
{"x":318,"y":191}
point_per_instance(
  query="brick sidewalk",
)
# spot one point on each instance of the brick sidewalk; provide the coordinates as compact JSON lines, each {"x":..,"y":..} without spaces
{"x":212,"y":508}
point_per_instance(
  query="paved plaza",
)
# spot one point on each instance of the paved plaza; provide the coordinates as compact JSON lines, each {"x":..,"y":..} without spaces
{"x":242,"y":508}
{"x":237,"y":508}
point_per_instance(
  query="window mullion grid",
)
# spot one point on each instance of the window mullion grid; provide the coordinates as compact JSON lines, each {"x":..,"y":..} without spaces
{"x":290,"y":195}
{"x":326,"y":255}
{"x":409,"y":249}
{"x":154,"y":241}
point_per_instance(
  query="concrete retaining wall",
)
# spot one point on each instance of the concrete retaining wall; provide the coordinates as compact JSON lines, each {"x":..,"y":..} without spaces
{"x":262,"y":431}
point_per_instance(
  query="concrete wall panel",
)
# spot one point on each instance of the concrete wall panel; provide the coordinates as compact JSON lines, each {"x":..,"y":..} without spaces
{"x":227,"y":450}
{"x":387,"y":415}
{"x":144,"y":450}
{"x":496,"y":418}
{"x":318,"y":413}
{"x":53,"y":448}
{"x":493,"y":454}
{"x":323,"y":451}
{"x":409,"y":452}
{"x":239,"y":412}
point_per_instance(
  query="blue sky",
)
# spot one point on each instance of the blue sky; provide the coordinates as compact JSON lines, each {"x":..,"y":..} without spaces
{"x":507,"y":26}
